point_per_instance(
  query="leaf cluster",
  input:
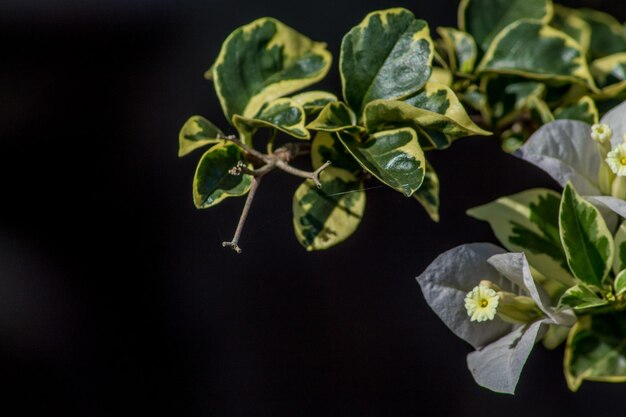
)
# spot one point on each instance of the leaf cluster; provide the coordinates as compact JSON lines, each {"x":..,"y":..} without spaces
{"x":389,"y":114}
{"x":581,"y":262}
{"x":524,"y":63}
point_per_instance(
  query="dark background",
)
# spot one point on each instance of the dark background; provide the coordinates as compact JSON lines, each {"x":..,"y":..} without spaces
{"x":116,"y":297}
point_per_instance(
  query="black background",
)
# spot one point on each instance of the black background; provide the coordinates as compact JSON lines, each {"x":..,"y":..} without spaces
{"x":116,"y":297}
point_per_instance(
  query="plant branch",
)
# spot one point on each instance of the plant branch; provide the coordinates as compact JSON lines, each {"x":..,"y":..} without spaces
{"x":278,"y":159}
{"x":314,"y":176}
{"x":234,"y":244}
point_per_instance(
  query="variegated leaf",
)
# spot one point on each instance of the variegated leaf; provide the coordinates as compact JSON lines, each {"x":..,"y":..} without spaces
{"x":314,"y":101}
{"x":436,"y":112}
{"x":283,"y":114}
{"x":335,"y":116}
{"x":327,"y":147}
{"x":610,"y":74}
{"x":324,"y":217}
{"x":596,"y":350}
{"x":620,"y":283}
{"x":388,"y":55}
{"x":213,"y":182}
{"x":569,"y":21}
{"x":584,"y":110}
{"x":606,"y":33}
{"x":619,"y":262}
{"x":541,"y":53}
{"x":586,"y":240}
{"x":393,"y":156}
{"x":580,"y":298}
{"x":508,"y":96}
{"x":461,"y":49}
{"x":528,"y":222}
{"x":196,"y":133}
{"x":262,"y":61}
{"x":484,"y":19}
{"x":539,"y":111}
{"x":428,"y":194}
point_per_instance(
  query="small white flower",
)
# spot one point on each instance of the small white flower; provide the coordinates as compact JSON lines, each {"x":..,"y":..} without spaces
{"x":481,"y":303}
{"x":601,"y":133}
{"x":616,"y":159}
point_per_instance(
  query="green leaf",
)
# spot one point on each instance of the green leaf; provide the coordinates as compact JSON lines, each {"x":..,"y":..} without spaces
{"x":539,"y":111}
{"x":508,"y":96}
{"x":620,"y":283}
{"x":325,"y":217}
{"x":442,"y":100}
{"x":580,"y":298}
{"x":393,"y":156}
{"x":387,"y":56}
{"x":334,"y":117}
{"x":606,"y":33}
{"x":569,"y":21}
{"x":213,"y":182}
{"x":541,"y":53}
{"x":461,"y":49}
{"x":435,"y":111}
{"x":610,"y":74}
{"x":596,"y":350}
{"x":283,"y":114}
{"x":428,"y":194}
{"x":196,"y":133}
{"x":587,"y":242}
{"x":584,"y":110}
{"x":484,"y":19}
{"x":619,"y":263}
{"x":326,"y":147}
{"x":529,"y":222}
{"x":314,"y":101}
{"x":262,"y":61}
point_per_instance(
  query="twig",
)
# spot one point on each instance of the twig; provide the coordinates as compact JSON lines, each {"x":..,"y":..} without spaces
{"x":234,"y":244}
{"x":314,"y":176}
{"x":280,"y":159}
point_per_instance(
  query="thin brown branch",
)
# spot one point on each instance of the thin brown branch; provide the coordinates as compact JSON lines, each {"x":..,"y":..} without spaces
{"x":280,"y":159}
{"x":314,"y":176}
{"x":234,"y":244}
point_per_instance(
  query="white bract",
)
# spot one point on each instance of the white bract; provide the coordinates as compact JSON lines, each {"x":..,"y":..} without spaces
{"x":571,"y":150}
{"x":501,"y":347}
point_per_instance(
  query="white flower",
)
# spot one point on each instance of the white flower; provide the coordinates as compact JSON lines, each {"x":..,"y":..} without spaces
{"x":501,"y":347}
{"x":616,"y":159}
{"x":601,"y":133}
{"x":481,"y":303}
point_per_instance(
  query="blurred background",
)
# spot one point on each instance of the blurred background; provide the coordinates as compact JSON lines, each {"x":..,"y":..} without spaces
{"x":116,"y":297}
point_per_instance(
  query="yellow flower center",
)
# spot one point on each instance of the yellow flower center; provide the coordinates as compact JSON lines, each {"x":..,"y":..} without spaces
{"x":484,"y":303}
{"x":622,"y":161}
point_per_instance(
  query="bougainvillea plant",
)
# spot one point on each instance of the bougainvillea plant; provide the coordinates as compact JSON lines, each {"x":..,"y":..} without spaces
{"x":508,"y":68}
{"x":567,"y":263}
{"x":542,"y":77}
{"x":390,"y":114}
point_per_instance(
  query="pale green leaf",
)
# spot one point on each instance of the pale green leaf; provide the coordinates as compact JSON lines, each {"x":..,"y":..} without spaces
{"x":484,"y":19}
{"x":596,"y":350}
{"x":587,"y":242}
{"x":528,"y":222}
{"x":213,"y":182}
{"x":393,"y":156}
{"x":196,"y":133}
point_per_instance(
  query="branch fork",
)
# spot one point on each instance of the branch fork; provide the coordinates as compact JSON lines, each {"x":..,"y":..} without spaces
{"x":278,"y":159}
